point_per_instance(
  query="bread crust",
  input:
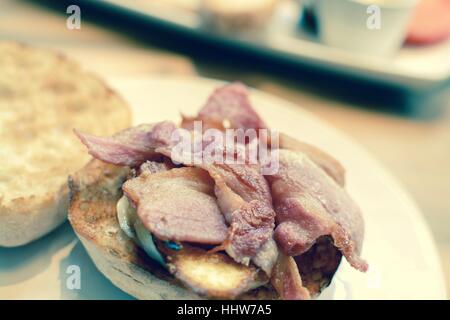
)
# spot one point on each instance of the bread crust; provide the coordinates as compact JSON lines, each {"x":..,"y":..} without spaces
{"x":43,"y":96}
{"x":28,"y":218}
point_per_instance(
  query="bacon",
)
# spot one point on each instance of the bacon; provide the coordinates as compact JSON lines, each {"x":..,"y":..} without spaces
{"x":188,"y":123}
{"x":325,"y":161}
{"x":231,"y":104}
{"x":130,"y":147}
{"x":310,"y":204}
{"x":244,"y":198}
{"x":232,"y":206}
{"x":178,"y":205}
{"x":251,"y":226}
{"x":246,"y":203}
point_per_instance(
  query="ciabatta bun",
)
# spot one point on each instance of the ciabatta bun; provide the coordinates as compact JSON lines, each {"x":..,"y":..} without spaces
{"x":43,"y":96}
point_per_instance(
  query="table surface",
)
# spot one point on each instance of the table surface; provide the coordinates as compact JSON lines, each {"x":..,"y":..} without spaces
{"x":416,"y":151}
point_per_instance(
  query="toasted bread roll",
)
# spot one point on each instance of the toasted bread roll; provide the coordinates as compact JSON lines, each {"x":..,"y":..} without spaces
{"x":43,"y":96}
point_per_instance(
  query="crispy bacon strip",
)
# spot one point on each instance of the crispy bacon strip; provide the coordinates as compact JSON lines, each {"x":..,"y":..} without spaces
{"x":325,"y":161}
{"x":231,"y":104}
{"x":310,"y":204}
{"x":178,"y":205}
{"x":242,"y":192}
{"x":130,"y":147}
{"x":244,"y":198}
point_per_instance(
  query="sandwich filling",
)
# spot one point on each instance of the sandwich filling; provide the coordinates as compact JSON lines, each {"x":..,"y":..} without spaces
{"x":224,"y":229}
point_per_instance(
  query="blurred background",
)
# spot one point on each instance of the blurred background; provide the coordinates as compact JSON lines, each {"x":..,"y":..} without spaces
{"x":386,"y":85}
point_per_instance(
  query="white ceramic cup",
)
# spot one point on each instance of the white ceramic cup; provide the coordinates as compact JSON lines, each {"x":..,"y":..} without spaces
{"x":353,"y":24}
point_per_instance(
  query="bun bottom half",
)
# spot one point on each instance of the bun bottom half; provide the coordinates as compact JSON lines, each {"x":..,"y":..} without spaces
{"x":94,"y":192}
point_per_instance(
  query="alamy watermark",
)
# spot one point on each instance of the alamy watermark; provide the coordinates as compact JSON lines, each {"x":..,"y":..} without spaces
{"x":232,"y":146}
{"x":73,"y":21}
{"x":373,"y":22}
{"x":73,"y":281}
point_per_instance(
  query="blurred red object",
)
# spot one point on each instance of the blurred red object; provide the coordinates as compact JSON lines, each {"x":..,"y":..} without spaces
{"x":430,"y":22}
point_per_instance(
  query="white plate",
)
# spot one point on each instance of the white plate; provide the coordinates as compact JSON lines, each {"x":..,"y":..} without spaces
{"x":398,"y":245}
